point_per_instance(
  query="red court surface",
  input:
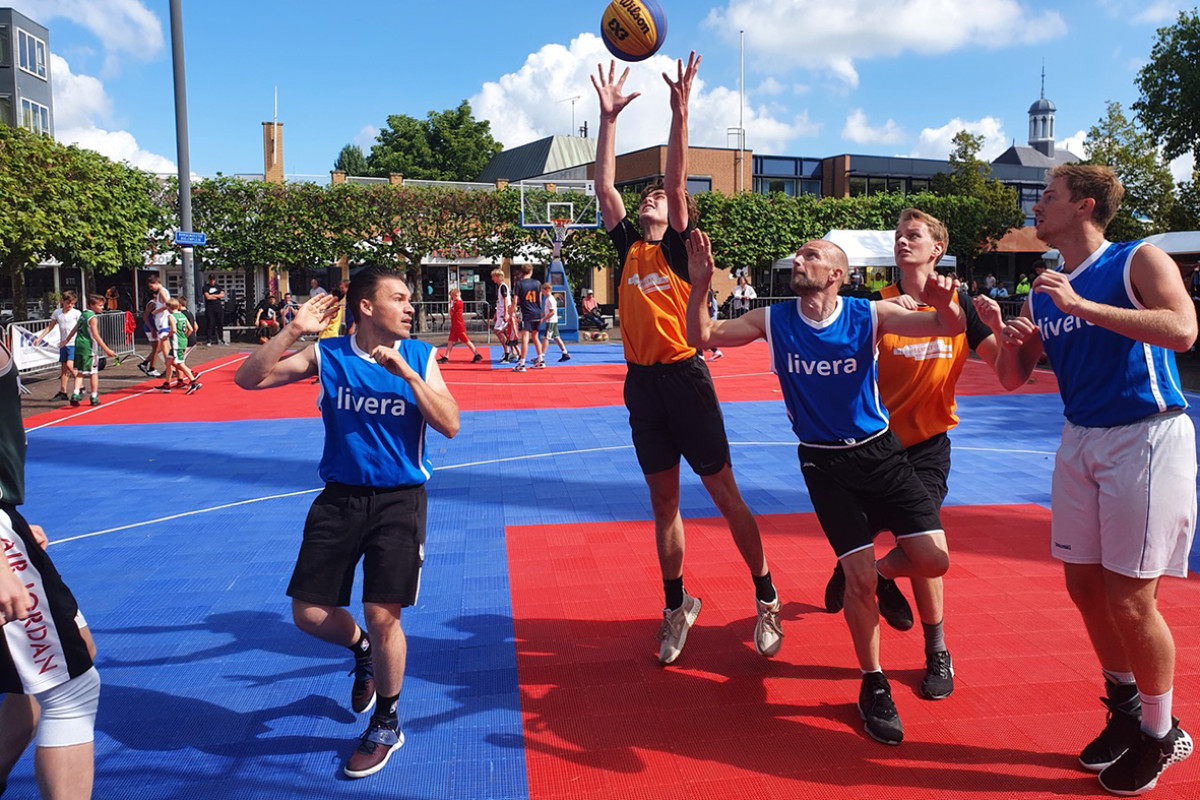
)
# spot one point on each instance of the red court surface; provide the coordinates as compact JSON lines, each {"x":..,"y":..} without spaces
{"x":743,"y":374}
{"x":603,"y":719}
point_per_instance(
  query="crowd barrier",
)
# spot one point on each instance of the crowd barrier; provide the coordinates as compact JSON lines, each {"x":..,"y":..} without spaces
{"x":115,"y":329}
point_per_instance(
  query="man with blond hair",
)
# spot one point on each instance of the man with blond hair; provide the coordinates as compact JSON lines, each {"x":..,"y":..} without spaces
{"x":1123,"y":497}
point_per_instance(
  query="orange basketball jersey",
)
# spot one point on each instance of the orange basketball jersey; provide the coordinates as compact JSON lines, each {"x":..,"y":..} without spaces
{"x":653,"y":304}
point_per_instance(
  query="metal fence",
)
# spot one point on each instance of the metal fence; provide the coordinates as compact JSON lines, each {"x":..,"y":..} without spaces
{"x":32,"y":359}
{"x":434,"y":317}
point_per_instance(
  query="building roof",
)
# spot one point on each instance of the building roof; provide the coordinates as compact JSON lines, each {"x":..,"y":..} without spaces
{"x":540,"y":158}
{"x":1041,"y":106}
{"x":1024,"y":156}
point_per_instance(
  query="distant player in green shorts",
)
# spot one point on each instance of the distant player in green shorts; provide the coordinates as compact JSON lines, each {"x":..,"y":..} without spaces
{"x":88,"y":345}
{"x":550,"y":318}
{"x":180,"y":329}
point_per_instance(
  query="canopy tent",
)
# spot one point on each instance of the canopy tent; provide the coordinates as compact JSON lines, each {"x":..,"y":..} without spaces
{"x":868,"y":249}
{"x":1175,"y":243}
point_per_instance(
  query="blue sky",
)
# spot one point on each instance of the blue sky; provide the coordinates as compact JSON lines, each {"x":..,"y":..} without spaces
{"x":886,"y":77}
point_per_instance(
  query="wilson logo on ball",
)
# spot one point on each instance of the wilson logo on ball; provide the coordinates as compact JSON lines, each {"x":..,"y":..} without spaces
{"x":633,"y":30}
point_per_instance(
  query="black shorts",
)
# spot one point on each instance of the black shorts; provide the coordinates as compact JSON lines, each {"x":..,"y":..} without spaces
{"x":931,"y":461}
{"x":383,"y":527}
{"x":55,"y":650}
{"x":531,"y":325}
{"x":858,"y":491}
{"x":673,"y":412}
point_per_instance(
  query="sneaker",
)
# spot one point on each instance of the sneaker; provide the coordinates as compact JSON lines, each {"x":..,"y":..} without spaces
{"x":478,"y":357}
{"x":894,"y":609}
{"x":75,"y":399}
{"x":154,"y":373}
{"x":938,"y":683}
{"x":59,"y":396}
{"x":375,"y":747}
{"x":166,"y":386}
{"x":565,"y":357}
{"x":519,"y":368}
{"x":95,"y":400}
{"x":716,"y":354}
{"x":362,"y":694}
{"x":443,"y":360}
{"x":835,"y":590}
{"x":1137,"y":770}
{"x":194,"y":387}
{"x":505,"y":360}
{"x":675,"y":627}
{"x":881,"y":721}
{"x":144,"y":367}
{"x":1122,"y":726}
{"x":768,"y":635}
{"x":539,"y":364}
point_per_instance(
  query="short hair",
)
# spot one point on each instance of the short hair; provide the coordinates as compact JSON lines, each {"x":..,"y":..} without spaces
{"x":498,"y":272}
{"x":174,"y":304}
{"x":525,"y":269}
{"x":365,"y":283}
{"x":1096,"y":181}
{"x":70,"y":296}
{"x":692,"y":209}
{"x":153,"y":278}
{"x":94,"y":298}
{"x":937,"y":228}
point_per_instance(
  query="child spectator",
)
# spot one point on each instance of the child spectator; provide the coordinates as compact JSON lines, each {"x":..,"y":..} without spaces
{"x":65,"y":319}
{"x":550,"y":319}
{"x":177,"y":350}
{"x":266,"y":319}
{"x":714,"y":313}
{"x":88,"y":344}
{"x":458,"y":329}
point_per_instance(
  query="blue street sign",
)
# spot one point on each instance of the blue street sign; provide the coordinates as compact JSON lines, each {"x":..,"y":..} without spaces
{"x":190,"y":239}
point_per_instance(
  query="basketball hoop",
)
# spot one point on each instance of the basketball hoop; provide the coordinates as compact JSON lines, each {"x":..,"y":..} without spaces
{"x":559,"y":230}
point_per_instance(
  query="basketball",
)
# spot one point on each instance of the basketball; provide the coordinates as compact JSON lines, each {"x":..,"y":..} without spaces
{"x":633,"y":30}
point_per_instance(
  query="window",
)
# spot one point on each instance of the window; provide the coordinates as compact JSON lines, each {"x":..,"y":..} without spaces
{"x":776,"y":166}
{"x":6,"y":117}
{"x":699,"y":185}
{"x":35,"y":117}
{"x":774,"y":185}
{"x":895,"y":185}
{"x":919,"y":185}
{"x":858,"y":186}
{"x":31,"y":53}
{"x":810,"y":187}
{"x":5,"y":47}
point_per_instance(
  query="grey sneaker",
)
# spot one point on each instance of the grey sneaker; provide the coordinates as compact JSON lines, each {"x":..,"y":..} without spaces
{"x":674,"y":630}
{"x":768,"y":635}
{"x":1138,"y":768}
{"x":938,"y":683}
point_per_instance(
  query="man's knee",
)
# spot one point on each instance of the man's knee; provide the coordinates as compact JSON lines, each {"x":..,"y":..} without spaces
{"x":381,"y":616}
{"x":928,"y":554}
{"x":69,"y":711}
{"x":861,"y":577}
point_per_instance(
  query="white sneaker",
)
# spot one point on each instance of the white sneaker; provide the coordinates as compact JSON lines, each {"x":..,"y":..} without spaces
{"x":768,"y":635}
{"x":674,"y":630}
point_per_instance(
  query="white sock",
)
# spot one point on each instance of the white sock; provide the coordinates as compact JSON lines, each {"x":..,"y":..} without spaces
{"x":1156,"y":713}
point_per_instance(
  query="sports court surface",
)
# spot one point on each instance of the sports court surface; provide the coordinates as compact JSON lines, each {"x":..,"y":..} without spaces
{"x":532,"y":669}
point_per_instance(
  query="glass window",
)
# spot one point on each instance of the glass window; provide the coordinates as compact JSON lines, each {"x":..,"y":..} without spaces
{"x":40,"y":67}
{"x":858,"y":187}
{"x":810,"y":187}
{"x":775,"y":185}
{"x":919,"y":185}
{"x":699,"y":185}
{"x":895,"y":185}
{"x":6,"y":117}
{"x":777,"y":166}
{"x":23,"y":47}
{"x":5,"y":47}
{"x":45,"y":121}
{"x":31,"y":53}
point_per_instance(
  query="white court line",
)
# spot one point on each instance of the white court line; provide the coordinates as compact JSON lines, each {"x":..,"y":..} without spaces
{"x":109,"y":404}
{"x":448,"y":468}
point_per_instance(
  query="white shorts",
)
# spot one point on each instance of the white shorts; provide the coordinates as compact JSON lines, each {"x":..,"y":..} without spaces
{"x":1125,"y":497}
{"x":162,"y":325}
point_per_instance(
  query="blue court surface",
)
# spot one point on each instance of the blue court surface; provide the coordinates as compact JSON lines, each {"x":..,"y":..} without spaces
{"x":178,"y":539}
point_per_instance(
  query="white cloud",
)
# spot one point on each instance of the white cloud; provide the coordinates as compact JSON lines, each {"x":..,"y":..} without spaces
{"x":1152,"y":13}
{"x":938,"y":142}
{"x":1182,"y":168}
{"x":1074,"y":144}
{"x":80,"y":102}
{"x":124,"y":27}
{"x":816,"y":34}
{"x":770,"y":86}
{"x":530,"y":103}
{"x":858,"y":130}
{"x":365,"y":138}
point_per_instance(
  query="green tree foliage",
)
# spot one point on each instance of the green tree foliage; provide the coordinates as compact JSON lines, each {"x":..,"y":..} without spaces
{"x":1169,"y":105}
{"x":1122,"y":144}
{"x":352,"y":161}
{"x":1185,"y":212}
{"x":70,"y":204}
{"x":449,"y":145}
{"x":982,"y":224}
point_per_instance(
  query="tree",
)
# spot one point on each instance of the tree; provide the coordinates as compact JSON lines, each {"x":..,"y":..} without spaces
{"x":981,"y":225}
{"x":352,"y":161}
{"x":450,"y":145}
{"x":1169,"y":105}
{"x":1185,"y":213}
{"x":1120,"y":143}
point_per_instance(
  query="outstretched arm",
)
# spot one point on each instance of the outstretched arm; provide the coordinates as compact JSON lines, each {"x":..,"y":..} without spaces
{"x":437,"y":405}
{"x":675,"y":181}
{"x":612,"y":101}
{"x":1020,"y":348}
{"x":702,"y":330}
{"x":947,"y":319}
{"x":270,"y":365}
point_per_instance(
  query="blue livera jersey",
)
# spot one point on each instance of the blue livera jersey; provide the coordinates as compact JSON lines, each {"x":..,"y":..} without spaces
{"x":1105,"y":378}
{"x":374,"y":431}
{"x":827,"y":370}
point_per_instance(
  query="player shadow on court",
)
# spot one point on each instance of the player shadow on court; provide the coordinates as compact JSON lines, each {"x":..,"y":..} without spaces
{"x":594,"y":694}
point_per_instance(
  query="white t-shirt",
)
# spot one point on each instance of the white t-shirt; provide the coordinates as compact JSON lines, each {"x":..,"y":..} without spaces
{"x":550,"y":309}
{"x":66,"y":323}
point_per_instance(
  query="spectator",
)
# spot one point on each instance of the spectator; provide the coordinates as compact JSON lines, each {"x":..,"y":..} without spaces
{"x":713,"y":313}
{"x":266,"y":319}
{"x":287,"y":309}
{"x":214,"y":312}
{"x":1023,"y":285}
{"x":591,"y":312}
{"x":315,"y":288}
{"x":743,"y":293}
{"x":998,"y":291}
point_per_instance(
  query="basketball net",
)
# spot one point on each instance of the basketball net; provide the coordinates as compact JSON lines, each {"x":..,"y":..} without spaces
{"x":558,"y":235}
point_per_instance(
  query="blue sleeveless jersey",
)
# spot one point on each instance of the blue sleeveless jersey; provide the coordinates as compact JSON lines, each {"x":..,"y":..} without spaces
{"x":1105,"y":378}
{"x":827,"y":370}
{"x":374,"y":431}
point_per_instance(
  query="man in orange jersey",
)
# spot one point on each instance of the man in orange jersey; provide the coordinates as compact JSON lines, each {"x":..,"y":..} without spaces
{"x":673,"y":408}
{"x":917,"y":378}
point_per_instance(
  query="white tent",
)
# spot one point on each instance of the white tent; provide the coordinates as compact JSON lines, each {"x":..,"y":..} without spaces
{"x":1175,"y":243}
{"x":867,"y":249}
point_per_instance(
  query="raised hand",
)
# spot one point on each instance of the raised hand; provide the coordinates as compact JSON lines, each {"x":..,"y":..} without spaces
{"x":612,"y":101}
{"x":988,"y":311}
{"x":700,"y":260}
{"x":940,"y":290}
{"x":1058,"y":286}
{"x":681,"y":89}
{"x":1017,"y":331}
{"x":314,"y":315}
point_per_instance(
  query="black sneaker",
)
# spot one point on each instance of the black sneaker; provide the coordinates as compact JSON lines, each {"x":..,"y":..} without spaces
{"x":565,"y":357}
{"x":362,"y":694}
{"x":835,"y":590}
{"x":194,"y":387}
{"x":1122,"y":727}
{"x":881,"y":721}
{"x":894,"y":609}
{"x":144,"y":367}
{"x":938,"y":683}
{"x":1138,"y":768}
{"x":478,"y":357}
{"x":443,"y":360}
{"x":59,"y":396}
{"x":374,"y":749}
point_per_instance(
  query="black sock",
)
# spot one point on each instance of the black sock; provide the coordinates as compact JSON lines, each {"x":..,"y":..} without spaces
{"x":673,"y":589}
{"x":385,"y":711}
{"x":764,"y":590}
{"x":362,"y":646}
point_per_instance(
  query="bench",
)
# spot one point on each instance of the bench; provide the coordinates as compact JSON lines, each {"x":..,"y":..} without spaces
{"x":227,"y":329}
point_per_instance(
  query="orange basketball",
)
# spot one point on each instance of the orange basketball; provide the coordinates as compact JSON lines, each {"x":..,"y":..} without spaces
{"x":633,"y":30}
